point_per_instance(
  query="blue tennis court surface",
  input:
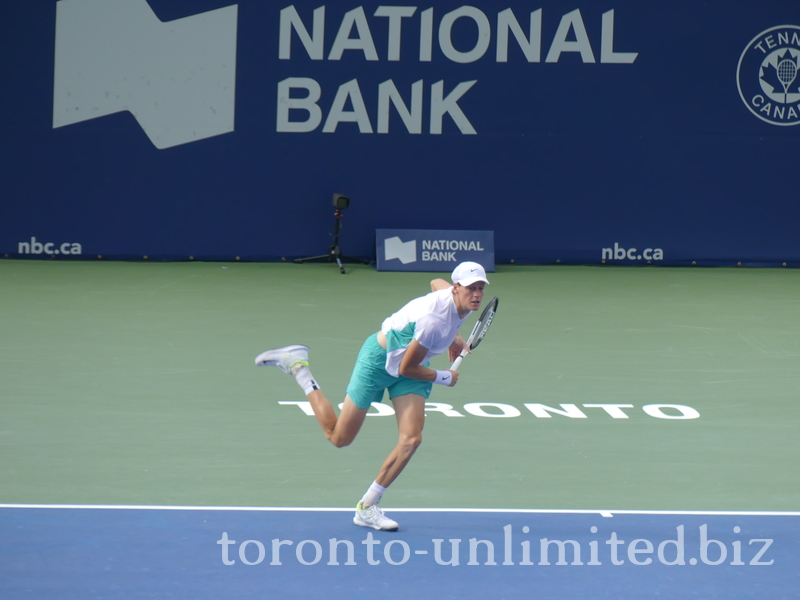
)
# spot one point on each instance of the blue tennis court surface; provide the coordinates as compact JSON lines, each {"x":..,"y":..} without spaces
{"x":181,"y":552}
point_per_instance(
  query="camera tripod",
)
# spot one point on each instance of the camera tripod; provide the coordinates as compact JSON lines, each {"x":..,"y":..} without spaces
{"x":334,"y":252}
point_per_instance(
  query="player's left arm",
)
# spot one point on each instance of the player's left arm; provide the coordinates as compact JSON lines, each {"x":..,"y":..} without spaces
{"x":458,"y":343}
{"x":439,"y":284}
{"x":456,"y":347}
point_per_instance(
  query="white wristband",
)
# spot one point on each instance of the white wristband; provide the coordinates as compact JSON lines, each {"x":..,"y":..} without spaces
{"x":443,"y":377}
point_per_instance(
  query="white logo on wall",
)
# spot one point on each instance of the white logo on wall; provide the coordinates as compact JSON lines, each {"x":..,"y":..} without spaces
{"x":406,"y":252}
{"x":767,"y":75}
{"x":178,"y":79}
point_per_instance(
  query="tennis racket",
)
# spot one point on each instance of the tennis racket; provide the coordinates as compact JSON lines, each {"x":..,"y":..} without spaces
{"x":480,"y":329}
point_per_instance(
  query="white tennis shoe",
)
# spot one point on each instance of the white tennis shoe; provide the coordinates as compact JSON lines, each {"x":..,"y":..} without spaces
{"x":373,"y":516}
{"x":284,"y":358}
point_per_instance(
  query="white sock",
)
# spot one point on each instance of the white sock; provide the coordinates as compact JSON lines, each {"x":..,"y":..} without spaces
{"x":304,"y":378}
{"x":373,"y":495}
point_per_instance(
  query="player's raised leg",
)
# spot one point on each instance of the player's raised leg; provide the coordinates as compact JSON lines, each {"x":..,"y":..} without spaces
{"x":341,"y":430}
{"x":293,"y":360}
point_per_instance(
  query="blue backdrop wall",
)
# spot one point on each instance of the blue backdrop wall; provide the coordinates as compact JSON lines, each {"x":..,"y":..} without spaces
{"x":624,"y":131}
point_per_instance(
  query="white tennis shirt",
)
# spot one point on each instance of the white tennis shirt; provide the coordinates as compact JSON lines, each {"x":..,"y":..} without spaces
{"x":432,"y":320}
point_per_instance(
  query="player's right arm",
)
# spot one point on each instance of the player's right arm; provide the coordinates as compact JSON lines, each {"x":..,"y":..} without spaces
{"x":411,"y":367}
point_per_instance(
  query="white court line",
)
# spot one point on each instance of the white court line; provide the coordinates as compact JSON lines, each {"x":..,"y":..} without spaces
{"x":602,"y":512}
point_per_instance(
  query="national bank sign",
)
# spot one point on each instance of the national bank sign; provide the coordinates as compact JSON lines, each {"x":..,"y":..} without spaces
{"x":432,"y":249}
{"x":422,"y":108}
{"x":178,"y":78}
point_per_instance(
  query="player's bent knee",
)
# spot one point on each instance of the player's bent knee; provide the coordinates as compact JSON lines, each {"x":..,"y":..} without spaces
{"x":339,"y":442}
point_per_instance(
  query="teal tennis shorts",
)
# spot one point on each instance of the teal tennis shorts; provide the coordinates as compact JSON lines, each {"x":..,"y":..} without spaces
{"x":370,"y":379}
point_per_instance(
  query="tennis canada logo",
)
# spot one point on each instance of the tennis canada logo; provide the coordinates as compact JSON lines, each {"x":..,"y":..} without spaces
{"x":767,"y":75}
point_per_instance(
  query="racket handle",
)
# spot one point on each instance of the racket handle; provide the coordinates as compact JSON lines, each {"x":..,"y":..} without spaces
{"x":457,"y":361}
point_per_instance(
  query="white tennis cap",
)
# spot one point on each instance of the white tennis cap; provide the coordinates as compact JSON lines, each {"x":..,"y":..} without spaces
{"x":468,"y":273}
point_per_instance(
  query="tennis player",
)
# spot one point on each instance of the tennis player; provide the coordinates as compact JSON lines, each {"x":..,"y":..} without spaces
{"x":394,"y":359}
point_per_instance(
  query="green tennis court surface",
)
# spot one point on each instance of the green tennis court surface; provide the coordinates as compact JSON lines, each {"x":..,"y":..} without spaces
{"x":134,"y":383}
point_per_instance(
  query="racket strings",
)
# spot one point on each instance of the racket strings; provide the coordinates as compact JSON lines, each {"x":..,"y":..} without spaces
{"x":787,"y":71}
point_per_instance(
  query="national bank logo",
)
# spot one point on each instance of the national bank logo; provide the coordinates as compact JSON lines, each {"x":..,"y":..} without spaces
{"x":432,"y":249}
{"x":395,"y":248}
{"x":178,"y":79}
{"x":767,"y":75}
